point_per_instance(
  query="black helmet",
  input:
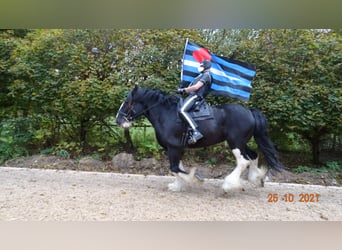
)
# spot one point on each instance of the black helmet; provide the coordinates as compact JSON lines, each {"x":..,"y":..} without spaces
{"x":206,"y":64}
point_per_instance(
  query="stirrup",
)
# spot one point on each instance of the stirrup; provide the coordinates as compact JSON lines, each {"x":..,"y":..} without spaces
{"x":195,"y":137}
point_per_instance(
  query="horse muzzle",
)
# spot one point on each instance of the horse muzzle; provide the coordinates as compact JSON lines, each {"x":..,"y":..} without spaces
{"x":123,"y":122}
{"x":126,"y":124}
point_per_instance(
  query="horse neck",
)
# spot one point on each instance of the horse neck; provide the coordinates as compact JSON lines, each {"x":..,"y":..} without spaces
{"x":155,"y":110}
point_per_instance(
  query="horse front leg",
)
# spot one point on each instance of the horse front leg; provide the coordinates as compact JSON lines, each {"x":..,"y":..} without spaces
{"x":177,"y":169}
{"x":182,"y":179}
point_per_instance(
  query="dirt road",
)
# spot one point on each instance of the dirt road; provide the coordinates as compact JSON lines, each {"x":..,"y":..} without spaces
{"x":64,"y":195}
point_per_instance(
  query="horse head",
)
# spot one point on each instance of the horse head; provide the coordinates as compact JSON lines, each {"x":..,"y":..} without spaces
{"x":130,"y":109}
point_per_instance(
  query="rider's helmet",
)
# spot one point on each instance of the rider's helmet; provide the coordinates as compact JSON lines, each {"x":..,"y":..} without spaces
{"x":206,"y":64}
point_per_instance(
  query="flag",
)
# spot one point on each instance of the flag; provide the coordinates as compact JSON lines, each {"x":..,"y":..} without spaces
{"x":230,"y":77}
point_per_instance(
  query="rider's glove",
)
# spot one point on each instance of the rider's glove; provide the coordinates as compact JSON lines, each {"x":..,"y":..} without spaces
{"x":180,"y":91}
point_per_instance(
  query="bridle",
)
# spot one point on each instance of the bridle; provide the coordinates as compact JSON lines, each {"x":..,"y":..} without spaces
{"x":128,"y":116}
{"x":131,"y":114}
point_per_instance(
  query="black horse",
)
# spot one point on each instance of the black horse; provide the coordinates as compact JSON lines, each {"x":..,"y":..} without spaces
{"x":232,"y":122}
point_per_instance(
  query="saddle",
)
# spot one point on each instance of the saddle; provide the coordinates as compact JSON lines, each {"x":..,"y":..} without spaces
{"x":200,"y":111}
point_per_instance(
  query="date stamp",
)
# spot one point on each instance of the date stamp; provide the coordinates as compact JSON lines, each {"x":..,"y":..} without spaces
{"x":289,"y":197}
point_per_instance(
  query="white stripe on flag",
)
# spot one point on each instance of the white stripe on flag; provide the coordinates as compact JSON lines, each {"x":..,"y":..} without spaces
{"x":222,"y":73}
{"x":191,"y":63}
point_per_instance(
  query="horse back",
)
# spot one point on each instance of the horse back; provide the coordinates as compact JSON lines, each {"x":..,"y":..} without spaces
{"x":234,"y":117}
{"x":235,"y":110}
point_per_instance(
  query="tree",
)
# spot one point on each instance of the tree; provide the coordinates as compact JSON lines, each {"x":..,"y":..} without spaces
{"x":8,"y":43}
{"x":61,"y":79}
{"x":298,"y":83}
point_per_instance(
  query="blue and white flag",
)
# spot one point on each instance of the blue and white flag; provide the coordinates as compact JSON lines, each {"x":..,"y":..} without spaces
{"x":230,"y":77}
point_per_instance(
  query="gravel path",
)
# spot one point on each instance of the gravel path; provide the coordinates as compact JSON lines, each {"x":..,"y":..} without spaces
{"x":64,"y":195}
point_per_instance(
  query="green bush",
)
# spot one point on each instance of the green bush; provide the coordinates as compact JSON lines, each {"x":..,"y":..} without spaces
{"x":334,"y":166}
{"x":14,"y":136}
{"x":330,"y":166}
{"x":144,"y":140}
{"x":301,"y":169}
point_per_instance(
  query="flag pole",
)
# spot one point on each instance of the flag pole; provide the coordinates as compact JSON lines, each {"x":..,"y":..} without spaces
{"x":186,"y":44}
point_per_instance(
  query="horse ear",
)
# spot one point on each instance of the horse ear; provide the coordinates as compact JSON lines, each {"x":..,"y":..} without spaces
{"x":135,"y":88}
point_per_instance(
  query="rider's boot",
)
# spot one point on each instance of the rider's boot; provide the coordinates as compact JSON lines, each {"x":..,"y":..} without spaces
{"x":196,"y":135}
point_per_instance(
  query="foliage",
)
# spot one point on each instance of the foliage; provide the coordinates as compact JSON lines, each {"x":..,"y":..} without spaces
{"x":334,"y":166}
{"x":301,"y":169}
{"x":298,"y":83}
{"x":14,"y":138}
{"x":144,"y":140}
{"x":212,"y":161}
{"x":8,"y":43}
{"x":330,"y":166}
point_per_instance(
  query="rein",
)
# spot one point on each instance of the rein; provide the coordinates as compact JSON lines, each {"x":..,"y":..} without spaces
{"x":136,"y":115}
{"x":131,"y":114}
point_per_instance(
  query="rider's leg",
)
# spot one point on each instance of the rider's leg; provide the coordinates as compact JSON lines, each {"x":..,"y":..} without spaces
{"x":187,"y":105}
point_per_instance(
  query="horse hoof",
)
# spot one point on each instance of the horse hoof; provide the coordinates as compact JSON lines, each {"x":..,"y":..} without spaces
{"x":173,"y":187}
{"x":189,"y":178}
{"x":227,"y":187}
{"x":176,"y":186}
{"x":199,"y":176}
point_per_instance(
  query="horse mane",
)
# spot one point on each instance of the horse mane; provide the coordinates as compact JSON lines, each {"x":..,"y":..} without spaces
{"x":155,"y":95}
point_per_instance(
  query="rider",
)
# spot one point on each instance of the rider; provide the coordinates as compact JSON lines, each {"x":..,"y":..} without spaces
{"x":198,"y":89}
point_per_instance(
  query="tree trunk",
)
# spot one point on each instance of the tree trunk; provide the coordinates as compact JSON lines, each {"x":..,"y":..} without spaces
{"x":334,"y":142}
{"x":315,"y":149}
{"x":129,"y":147}
{"x":83,"y":134}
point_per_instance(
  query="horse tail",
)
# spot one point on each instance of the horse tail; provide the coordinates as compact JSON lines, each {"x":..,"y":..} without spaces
{"x":263,"y":141}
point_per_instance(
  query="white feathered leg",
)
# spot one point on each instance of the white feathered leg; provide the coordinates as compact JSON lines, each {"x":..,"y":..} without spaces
{"x":233,"y":180}
{"x":181,"y":179}
{"x":256,"y":175}
{"x":189,"y":178}
{"x":177,"y":185}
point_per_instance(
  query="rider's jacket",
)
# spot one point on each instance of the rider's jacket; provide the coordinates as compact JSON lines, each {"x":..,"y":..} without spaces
{"x":204,"y":77}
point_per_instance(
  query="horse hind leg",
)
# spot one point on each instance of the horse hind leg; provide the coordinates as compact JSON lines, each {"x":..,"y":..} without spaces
{"x":233,"y":180}
{"x":256,"y":175}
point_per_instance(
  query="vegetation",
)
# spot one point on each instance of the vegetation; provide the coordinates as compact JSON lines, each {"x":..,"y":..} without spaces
{"x":60,"y":89}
